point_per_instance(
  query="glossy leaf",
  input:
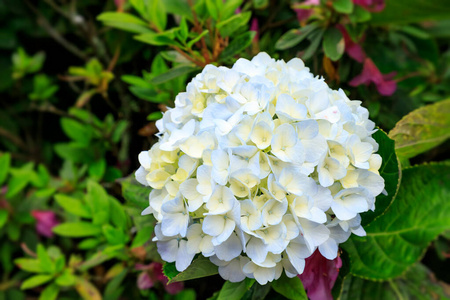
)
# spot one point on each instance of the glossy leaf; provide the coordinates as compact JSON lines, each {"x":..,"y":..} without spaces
{"x":235,"y":290}
{"x":390,"y":170}
{"x":422,"y":129}
{"x":291,"y":288}
{"x":398,"y":239}
{"x":418,"y":283}
{"x":200,"y":267}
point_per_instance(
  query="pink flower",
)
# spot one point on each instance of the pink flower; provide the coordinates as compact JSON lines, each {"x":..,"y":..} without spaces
{"x":370,"y":73}
{"x":153,"y":273}
{"x":371,"y":5}
{"x":352,"y":49}
{"x":255,"y":27}
{"x":144,"y":281}
{"x":319,"y":276}
{"x":304,"y":14}
{"x":45,"y":221}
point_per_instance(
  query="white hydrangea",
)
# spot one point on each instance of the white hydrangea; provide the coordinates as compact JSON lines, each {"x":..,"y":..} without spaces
{"x":258,"y":166}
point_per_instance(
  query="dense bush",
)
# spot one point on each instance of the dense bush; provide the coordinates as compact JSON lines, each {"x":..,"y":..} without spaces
{"x":83,"y":82}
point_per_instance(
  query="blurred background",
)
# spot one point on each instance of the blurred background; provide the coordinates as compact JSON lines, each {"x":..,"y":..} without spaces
{"x":83,"y":82}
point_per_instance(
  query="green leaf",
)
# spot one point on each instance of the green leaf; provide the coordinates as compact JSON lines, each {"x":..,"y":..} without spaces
{"x":35,"y":281}
{"x":3,"y":217}
{"x":118,"y":216}
{"x":124,"y":21}
{"x":135,"y":193}
{"x":412,"y":11}
{"x":143,"y":236}
{"x":200,"y":267}
{"x":173,"y":73}
{"x":156,"y":115}
{"x":184,"y":30}
{"x":238,"y":44}
{"x":157,"y":13}
{"x":73,"y":206}
{"x":235,"y":290}
{"x":89,"y":243}
{"x":113,"y":235}
{"x":47,"y":264}
{"x":66,"y":278}
{"x":20,"y":179}
{"x":97,"y":199}
{"x":390,"y":170}
{"x":87,"y":290}
{"x":178,"y":7}
{"x":77,"y":229}
{"x":229,"y":8}
{"x":294,"y":36}
{"x":50,"y":292}
{"x":229,"y":26}
{"x":29,"y":264}
{"x":197,"y":38}
{"x":343,"y":6}
{"x":398,"y":239}
{"x":291,"y":288}
{"x":97,"y":169}
{"x":417,"y":283}
{"x":422,"y":129}
{"x":157,"y":39}
{"x":333,"y":43}
{"x":213,"y":9}
{"x":315,"y":38}
{"x":359,"y":15}
{"x":5,"y":163}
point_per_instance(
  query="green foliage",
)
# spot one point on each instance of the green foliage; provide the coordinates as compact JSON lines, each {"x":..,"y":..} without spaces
{"x":417,"y":284}
{"x":412,"y":11}
{"x":398,"y":239}
{"x":200,"y":267}
{"x":390,"y":170}
{"x":422,"y":129}
{"x":291,"y":288}
{"x":79,"y":80}
{"x":235,"y":290}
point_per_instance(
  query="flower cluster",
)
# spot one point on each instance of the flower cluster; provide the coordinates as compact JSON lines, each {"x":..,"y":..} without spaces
{"x":258,"y":166}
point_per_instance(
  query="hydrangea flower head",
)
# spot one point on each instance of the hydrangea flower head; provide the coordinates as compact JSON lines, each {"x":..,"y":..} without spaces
{"x":258,"y":166}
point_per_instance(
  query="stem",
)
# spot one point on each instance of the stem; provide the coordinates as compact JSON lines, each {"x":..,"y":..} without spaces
{"x":43,"y":22}
{"x":13,"y":138}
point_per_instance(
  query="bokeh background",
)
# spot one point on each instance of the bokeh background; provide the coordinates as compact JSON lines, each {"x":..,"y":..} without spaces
{"x":82,"y":83}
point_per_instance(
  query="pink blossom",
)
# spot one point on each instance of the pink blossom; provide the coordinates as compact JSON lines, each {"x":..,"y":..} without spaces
{"x":319,"y":276}
{"x":304,"y":14}
{"x":370,"y":73}
{"x":153,"y":273}
{"x":45,"y":221}
{"x":354,"y":50}
{"x":255,"y":27}
{"x":144,"y":281}
{"x":371,"y":5}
